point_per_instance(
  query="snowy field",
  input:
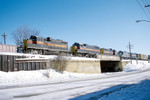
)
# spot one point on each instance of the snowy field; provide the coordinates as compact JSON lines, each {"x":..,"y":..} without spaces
{"x":133,"y":83}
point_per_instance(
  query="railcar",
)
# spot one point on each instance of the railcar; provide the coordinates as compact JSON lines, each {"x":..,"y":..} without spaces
{"x":143,"y":57}
{"x":135,"y":56}
{"x":124,"y":54}
{"x":107,"y":51}
{"x":149,"y":57}
{"x":84,"y":50}
{"x":40,"y":45}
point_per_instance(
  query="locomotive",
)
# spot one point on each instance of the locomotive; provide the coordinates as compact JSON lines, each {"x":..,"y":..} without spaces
{"x":40,"y":45}
{"x":124,"y":54}
{"x":85,"y":50}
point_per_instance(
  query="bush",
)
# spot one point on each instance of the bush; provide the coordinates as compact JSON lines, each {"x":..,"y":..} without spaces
{"x":59,"y":63}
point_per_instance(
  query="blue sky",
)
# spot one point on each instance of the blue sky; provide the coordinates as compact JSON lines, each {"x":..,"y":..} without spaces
{"x":105,"y":23}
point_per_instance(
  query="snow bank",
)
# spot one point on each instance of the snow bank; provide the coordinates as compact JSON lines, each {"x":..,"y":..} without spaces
{"x":21,"y":77}
{"x":136,"y":66}
{"x":40,"y":76}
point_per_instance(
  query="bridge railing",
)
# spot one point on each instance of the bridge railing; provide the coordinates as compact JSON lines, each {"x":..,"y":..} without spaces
{"x":109,"y":57}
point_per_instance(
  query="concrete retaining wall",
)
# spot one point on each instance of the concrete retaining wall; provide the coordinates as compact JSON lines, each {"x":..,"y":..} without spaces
{"x":84,"y":66}
{"x":124,"y":63}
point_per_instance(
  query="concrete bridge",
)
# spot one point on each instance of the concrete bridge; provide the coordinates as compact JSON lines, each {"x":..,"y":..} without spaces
{"x":108,"y":58}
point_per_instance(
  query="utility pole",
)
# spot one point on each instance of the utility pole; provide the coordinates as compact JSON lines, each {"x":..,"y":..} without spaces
{"x":4,"y":38}
{"x":130,"y":47}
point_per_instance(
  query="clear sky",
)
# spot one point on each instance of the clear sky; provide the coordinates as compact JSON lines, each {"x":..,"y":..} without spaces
{"x":105,"y":23}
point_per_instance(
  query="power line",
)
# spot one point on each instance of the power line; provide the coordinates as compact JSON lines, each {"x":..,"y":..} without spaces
{"x":142,"y":9}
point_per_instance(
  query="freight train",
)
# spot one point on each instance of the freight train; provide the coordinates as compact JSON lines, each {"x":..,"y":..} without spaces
{"x":40,"y":45}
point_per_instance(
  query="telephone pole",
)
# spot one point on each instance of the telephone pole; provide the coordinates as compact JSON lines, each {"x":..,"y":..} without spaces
{"x":130,"y":47}
{"x":4,"y":35}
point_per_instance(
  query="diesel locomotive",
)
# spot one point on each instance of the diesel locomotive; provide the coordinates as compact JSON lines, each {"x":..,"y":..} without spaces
{"x":85,"y":50}
{"x":40,"y":45}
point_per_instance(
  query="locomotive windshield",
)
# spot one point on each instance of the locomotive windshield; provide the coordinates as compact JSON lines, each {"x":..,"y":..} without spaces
{"x":76,"y":44}
{"x":48,"y":39}
{"x":32,"y":37}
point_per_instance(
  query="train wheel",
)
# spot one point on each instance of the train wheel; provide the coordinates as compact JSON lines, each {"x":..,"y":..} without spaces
{"x":29,"y":51}
{"x":43,"y":52}
{"x":79,"y":55}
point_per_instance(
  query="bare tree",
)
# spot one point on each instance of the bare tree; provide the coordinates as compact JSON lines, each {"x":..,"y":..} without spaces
{"x":23,"y":32}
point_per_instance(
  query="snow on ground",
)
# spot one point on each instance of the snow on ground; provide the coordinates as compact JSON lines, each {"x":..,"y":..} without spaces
{"x":19,"y":77}
{"x":136,"y":66}
{"x":138,"y":84}
{"x":23,"y":77}
{"x":140,"y":91}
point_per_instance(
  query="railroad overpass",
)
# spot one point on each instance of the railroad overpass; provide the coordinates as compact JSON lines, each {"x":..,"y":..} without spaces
{"x":103,"y":63}
{"x":110,"y":63}
{"x":17,"y":62}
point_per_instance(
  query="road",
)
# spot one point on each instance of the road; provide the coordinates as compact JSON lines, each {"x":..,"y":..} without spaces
{"x":78,"y":89}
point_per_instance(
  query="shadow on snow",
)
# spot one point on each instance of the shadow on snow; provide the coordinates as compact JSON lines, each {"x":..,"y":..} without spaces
{"x":106,"y":92}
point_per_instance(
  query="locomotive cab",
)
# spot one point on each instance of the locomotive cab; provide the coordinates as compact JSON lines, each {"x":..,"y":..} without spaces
{"x":74,"y":48}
